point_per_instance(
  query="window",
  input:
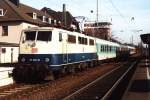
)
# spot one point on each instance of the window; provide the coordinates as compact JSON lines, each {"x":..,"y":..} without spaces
{"x":49,"y":20}
{"x":52,"y":21}
{"x":44,"y":18}
{"x":101,"y":48}
{"x":91,"y":42}
{"x":3,"y":50}
{"x":60,"y":37}
{"x":107,"y":48}
{"x":34,"y":16}
{"x":71,"y":39}
{"x":55,"y":22}
{"x":80,"y":40}
{"x":1,"y":12}
{"x":110,"y":49}
{"x":30,"y":35}
{"x":44,"y":36}
{"x":4,"y":30}
{"x":85,"y":41}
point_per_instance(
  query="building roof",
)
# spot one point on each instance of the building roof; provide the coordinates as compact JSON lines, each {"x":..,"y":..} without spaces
{"x":5,"y":44}
{"x":20,"y":13}
{"x":59,"y":16}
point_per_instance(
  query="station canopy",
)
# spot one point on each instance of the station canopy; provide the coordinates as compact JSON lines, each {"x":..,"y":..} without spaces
{"x":145,"y":38}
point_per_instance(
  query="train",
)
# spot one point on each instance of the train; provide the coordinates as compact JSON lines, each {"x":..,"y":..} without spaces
{"x":45,"y":52}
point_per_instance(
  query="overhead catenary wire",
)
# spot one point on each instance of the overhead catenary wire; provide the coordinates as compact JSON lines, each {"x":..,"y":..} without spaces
{"x":120,"y":14}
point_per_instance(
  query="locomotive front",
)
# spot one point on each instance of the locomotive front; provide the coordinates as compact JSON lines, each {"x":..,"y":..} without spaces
{"x":35,"y":45}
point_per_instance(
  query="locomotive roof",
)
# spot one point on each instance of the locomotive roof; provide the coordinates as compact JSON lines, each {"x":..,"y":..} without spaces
{"x":73,"y":33}
{"x":107,"y":42}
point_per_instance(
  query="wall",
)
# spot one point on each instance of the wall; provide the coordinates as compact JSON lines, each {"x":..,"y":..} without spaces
{"x":10,"y":54}
{"x":14,"y":31}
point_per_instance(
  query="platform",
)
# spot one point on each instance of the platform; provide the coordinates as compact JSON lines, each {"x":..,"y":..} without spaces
{"x":139,"y":88}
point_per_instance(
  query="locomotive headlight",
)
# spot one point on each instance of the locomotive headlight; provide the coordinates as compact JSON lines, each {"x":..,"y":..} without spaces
{"x":47,"y":59}
{"x":23,"y":60}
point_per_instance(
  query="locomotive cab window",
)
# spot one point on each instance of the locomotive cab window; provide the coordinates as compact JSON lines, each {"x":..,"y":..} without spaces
{"x":30,"y":35}
{"x":44,"y":36}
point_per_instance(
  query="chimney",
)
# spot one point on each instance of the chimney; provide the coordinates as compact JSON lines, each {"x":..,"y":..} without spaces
{"x":64,"y":15}
{"x":15,"y":2}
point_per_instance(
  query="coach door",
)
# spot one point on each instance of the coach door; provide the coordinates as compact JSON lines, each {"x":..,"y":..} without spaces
{"x":64,"y":48}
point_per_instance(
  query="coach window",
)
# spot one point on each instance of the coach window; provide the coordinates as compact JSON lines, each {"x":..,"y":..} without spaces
{"x":106,"y":48}
{"x":71,"y":39}
{"x":112,"y":48}
{"x":101,"y":48}
{"x":115,"y":49}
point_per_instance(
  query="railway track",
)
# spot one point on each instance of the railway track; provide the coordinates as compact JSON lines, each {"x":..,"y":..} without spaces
{"x":55,"y":90}
{"x":103,"y":87}
{"x":11,"y":90}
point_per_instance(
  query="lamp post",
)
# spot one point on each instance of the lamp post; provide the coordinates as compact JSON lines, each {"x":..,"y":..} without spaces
{"x":135,"y":31}
{"x":97,"y":12}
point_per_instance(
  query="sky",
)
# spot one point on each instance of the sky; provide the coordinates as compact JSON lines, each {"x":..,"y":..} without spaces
{"x":129,"y":18}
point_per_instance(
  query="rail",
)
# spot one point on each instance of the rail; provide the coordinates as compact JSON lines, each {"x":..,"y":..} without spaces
{"x":105,"y":97}
{"x":98,"y":79}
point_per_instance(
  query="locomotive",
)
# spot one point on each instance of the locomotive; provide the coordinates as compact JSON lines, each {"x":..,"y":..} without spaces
{"x":48,"y":51}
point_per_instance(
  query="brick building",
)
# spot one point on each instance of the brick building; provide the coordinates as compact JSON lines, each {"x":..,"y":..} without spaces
{"x":101,"y":29}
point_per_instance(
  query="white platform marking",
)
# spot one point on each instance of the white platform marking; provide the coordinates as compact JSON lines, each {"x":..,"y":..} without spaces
{"x":147,"y":69}
{"x":148,"y":74}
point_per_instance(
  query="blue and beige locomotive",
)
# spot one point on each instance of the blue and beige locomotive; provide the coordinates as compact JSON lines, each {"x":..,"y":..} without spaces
{"x":49,"y":51}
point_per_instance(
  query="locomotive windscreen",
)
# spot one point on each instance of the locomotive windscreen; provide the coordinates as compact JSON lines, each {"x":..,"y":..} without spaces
{"x":44,"y":35}
{"x":41,"y":35}
{"x":30,"y":35}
